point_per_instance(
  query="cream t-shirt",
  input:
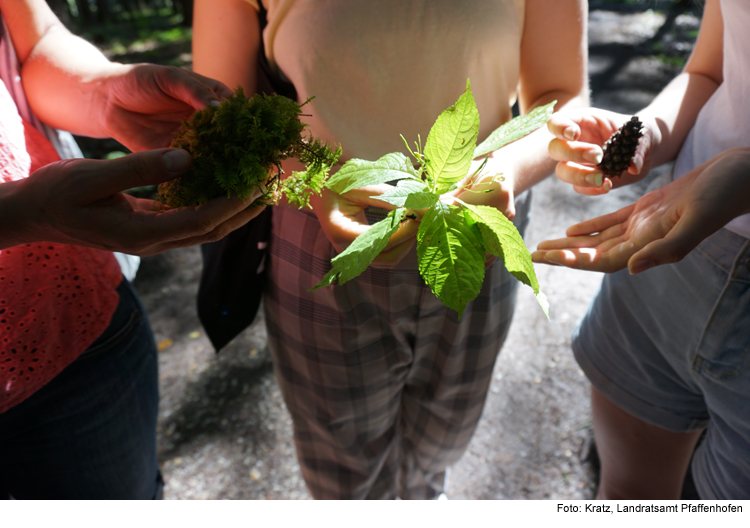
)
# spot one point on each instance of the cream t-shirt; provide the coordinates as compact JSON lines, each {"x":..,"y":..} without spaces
{"x":385,"y":68}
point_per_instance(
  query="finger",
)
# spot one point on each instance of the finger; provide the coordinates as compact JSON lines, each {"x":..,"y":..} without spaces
{"x":575,"y":151}
{"x":587,"y":259}
{"x":608,"y":237}
{"x":681,"y":240}
{"x":600,"y":223}
{"x":406,"y":232}
{"x":217,"y":233}
{"x":179,"y":224}
{"x":191,"y":88}
{"x":594,"y":191}
{"x":563,"y":127}
{"x":368,"y":196}
{"x":389,"y":259}
{"x":580,"y":176}
{"x":217,"y":87}
{"x":102,"y":178}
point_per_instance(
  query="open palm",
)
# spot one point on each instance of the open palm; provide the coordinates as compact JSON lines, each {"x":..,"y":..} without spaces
{"x":661,"y":227}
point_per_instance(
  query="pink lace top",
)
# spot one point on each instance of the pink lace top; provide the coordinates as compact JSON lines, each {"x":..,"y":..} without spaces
{"x":55,"y":299}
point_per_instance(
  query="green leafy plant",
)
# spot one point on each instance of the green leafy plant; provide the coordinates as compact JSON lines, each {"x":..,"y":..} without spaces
{"x":236,"y":146}
{"x":452,"y":241}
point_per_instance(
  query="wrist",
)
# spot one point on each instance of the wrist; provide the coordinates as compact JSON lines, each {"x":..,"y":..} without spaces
{"x":103,"y":107}
{"x":15,"y":226}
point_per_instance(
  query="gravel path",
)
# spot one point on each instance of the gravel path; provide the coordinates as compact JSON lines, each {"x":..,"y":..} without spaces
{"x":224,"y":431}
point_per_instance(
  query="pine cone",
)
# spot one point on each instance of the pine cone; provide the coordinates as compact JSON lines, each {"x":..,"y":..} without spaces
{"x":620,"y":148}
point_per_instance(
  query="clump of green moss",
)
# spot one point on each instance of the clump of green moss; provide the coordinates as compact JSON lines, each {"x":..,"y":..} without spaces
{"x":238,"y":146}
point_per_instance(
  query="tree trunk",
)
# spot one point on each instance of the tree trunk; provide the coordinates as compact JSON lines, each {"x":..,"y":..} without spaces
{"x":102,"y":11}
{"x":62,"y":10}
{"x":185,"y":7}
{"x":84,"y":11}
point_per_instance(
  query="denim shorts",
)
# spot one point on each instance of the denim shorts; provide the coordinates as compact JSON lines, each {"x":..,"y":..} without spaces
{"x":671,"y":346}
{"x":90,"y":433}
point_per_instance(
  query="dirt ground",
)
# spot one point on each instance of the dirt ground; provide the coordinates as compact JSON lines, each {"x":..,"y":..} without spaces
{"x":224,"y":431}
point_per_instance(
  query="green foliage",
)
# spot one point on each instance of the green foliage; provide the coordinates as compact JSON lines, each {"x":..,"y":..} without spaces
{"x":363,"y":250}
{"x":236,"y":145}
{"x":450,"y":144}
{"x":360,"y":173}
{"x":515,"y":129}
{"x":452,"y":241}
{"x":451,"y":255}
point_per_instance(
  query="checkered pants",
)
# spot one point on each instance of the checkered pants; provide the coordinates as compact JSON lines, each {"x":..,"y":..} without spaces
{"x":384,"y":385}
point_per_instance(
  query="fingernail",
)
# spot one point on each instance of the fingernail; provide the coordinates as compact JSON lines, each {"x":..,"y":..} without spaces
{"x":595,"y":179}
{"x":176,"y":160}
{"x":214,"y":103}
{"x":638,"y":162}
{"x":593,"y":155}
{"x":570,"y":134}
{"x":257,"y":193}
{"x":640,"y":267}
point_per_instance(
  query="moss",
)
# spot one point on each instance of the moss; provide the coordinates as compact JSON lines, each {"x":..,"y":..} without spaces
{"x":238,"y":146}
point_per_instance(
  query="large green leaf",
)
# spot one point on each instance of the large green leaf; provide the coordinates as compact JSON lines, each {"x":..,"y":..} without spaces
{"x":451,"y":255}
{"x":411,"y":194}
{"x":502,"y":239}
{"x":515,"y":129}
{"x":354,"y":260}
{"x":358,"y":173}
{"x":451,"y":141}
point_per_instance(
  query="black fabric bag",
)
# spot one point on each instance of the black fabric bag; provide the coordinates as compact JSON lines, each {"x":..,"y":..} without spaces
{"x":234,"y":275}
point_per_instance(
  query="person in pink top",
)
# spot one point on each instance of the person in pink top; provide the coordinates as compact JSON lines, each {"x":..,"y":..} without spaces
{"x":78,"y":378}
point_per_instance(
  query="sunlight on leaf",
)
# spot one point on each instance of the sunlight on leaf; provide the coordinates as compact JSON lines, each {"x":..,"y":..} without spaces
{"x":357,"y":173}
{"x":515,"y":129}
{"x":450,"y":144}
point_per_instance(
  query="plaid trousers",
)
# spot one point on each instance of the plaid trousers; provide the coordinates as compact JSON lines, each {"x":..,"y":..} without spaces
{"x":384,"y":385}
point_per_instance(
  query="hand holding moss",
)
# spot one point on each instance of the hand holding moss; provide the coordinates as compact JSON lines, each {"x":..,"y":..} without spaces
{"x":237,"y":148}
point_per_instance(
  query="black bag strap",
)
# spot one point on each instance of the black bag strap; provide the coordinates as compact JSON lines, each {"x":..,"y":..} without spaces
{"x":234,"y":276}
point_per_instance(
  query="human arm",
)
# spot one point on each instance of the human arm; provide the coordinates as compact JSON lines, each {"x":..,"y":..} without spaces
{"x":81,"y":202}
{"x":553,"y":66}
{"x":579,"y":135}
{"x":72,"y":86}
{"x":663,"y":226}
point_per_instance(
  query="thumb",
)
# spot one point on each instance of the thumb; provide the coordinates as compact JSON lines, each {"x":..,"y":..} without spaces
{"x":106,"y":177}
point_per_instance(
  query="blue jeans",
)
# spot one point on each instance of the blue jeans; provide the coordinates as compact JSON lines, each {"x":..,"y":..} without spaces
{"x":91,"y":432}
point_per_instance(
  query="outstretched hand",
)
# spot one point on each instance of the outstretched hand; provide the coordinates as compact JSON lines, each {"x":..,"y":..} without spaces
{"x":663,"y":226}
{"x":342,"y":218}
{"x":144,"y":105}
{"x":81,"y":202}
{"x":577,"y":147}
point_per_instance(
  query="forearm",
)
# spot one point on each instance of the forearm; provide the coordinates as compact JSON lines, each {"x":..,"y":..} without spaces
{"x":674,"y":112}
{"x":57,"y":66}
{"x":553,"y":66}
{"x":725,"y":181}
{"x":64,"y":80}
{"x":676,"y":108}
{"x":228,"y":54}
